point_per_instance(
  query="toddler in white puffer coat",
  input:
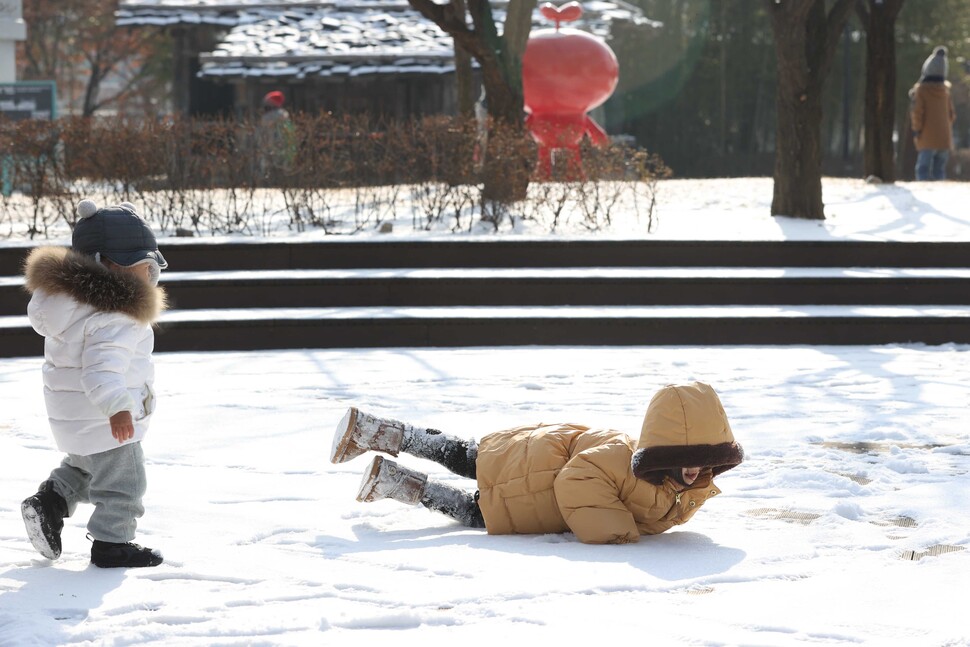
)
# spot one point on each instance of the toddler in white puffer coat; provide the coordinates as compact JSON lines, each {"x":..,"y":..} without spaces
{"x":95,"y":304}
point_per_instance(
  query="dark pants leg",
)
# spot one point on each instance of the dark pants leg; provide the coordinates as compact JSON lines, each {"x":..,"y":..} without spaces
{"x":458,"y":455}
{"x":458,"y":504}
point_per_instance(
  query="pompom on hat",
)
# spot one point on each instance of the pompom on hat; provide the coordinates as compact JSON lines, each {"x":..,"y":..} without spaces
{"x":116,"y":233}
{"x":274,"y":99}
{"x":935,"y":66}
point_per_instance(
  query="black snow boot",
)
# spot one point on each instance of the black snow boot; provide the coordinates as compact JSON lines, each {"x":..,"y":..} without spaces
{"x":458,"y":504}
{"x":43,"y":515}
{"x":105,"y":554}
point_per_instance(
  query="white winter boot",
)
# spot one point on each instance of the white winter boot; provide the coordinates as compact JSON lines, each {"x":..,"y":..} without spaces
{"x":358,"y":433}
{"x":387,"y":480}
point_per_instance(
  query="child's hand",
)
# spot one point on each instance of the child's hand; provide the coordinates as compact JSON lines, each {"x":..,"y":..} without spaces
{"x":122,"y":427}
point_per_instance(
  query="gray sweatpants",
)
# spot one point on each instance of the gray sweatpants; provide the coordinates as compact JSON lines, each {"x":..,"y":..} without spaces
{"x":114,"y":481}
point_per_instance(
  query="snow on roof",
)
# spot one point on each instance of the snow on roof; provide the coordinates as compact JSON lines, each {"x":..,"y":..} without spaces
{"x":301,"y":39}
{"x":313,"y":43}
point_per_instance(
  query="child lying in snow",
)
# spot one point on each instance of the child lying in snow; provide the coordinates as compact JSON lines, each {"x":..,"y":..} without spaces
{"x":597,"y":483}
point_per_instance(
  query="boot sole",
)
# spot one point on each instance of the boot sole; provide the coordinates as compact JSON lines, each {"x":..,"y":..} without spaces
{"x":35,"y":531}
{"x":154,"y":561}
{"x":341,"y":437}
{"x":366,"y":492}
{"x":135,"y":560}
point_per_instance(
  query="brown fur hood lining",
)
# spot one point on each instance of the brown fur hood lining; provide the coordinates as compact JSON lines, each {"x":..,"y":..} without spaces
{"x":58,"y":270}
{"x":652,"y":463}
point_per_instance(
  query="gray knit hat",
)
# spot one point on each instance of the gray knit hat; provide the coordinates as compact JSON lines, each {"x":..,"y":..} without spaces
{"x":935,"y":64}
{"x":117,"y":233}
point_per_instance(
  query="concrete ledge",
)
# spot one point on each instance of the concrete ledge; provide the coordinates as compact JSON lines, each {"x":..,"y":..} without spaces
{"x":549,"y":287}
{"x":510,"y":292}
{"x":205,"y":330}
{"x":348,"y":252}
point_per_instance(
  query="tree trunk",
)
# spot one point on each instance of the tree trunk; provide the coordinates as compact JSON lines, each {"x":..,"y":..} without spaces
{"x":464,"y":82}
{"x":500,"y":59}
{"x":879,"y":19}
{"x":906,"y":167}
{"x":722,"y":79}
{"x":508,"y":163}
{"x":92,"y":90}
{"x":805,"y":37}
{"x":798,"y":160}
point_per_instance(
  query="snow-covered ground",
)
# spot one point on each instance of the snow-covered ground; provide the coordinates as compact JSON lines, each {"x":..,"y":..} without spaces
{"x":711,"y":209}
{"x":857,"y":466}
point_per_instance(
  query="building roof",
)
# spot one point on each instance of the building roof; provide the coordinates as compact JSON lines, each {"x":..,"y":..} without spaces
{"x":297,"y":39}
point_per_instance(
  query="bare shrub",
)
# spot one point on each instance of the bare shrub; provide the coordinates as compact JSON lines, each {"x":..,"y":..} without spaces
{"x":549,"y":203}
{"x":507,"y":147}
{"x":618,"y":177}
{"x":114,"y":151}
{"x":374,"y":205}
{"x":37,"y":167}
{"x":342,"y":174}
{"x":646,"y":171}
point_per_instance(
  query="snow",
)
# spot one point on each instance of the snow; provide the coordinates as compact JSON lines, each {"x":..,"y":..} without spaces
{"x":695,"y":209}
{"x":846,"y":525}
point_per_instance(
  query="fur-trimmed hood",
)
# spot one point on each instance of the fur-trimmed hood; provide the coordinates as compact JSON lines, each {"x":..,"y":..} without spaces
{"x":685,"y":426}
{"x":61,"y":271}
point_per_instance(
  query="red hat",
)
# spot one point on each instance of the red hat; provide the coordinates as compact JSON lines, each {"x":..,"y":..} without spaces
{"x":274,"y":98}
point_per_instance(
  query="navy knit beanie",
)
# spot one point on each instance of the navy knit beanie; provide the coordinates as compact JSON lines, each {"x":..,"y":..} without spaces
{"x":117,"y":233}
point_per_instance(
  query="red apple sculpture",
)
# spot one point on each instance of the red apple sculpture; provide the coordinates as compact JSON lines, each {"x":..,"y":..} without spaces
{"x":565,"y":73}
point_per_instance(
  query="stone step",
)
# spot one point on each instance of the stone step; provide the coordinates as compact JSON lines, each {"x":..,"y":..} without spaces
{"x":277,"y":328}
{"x":186,"y":254}
{"x":355,"y":292}
{"x":550,"y":286}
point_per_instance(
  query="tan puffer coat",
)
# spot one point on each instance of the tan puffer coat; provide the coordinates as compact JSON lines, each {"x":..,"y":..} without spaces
{"x":567,"y":477}
{"x":932,"y":116}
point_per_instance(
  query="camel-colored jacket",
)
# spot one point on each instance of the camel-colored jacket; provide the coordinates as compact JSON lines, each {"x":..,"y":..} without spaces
{"x":932,"y":115}
{"x":566,"y":477}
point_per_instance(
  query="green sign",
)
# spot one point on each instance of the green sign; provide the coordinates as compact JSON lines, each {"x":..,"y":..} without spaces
{"x":18,"y":102}
{"x":28,"y":100}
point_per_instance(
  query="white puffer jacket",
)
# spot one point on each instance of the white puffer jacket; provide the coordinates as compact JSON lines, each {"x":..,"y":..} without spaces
{"x":98,"y":346}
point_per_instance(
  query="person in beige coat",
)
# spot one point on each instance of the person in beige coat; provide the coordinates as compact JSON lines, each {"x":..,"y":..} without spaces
{"x":932,"y":115}
{"x":600,"y":484}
